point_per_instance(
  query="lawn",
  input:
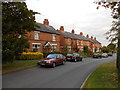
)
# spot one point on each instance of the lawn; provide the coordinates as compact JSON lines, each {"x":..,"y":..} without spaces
{"x":18,"y":65}
{"x":104,"y":76}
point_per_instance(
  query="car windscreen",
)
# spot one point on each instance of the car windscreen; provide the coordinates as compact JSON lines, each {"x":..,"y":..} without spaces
{"x":70,"y":54}
{"x":104,"y":54}
{"x":51,"y":56}
{"x":96,"y":54}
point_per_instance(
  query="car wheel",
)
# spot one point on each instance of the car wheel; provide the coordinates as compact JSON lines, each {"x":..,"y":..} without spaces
{"x":81,"y":59}
{"x":53,"y":65}
{"x":41,"y":65}
{"x":63,"y":62}
{"x":75,"y":60}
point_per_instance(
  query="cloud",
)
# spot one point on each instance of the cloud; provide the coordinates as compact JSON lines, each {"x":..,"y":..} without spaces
{"x":80,"y":15}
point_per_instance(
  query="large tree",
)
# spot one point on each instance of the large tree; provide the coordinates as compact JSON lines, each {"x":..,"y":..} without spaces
{"x":112,"y":47}
{"x":114,"y":33}
{"x":16,"y":21}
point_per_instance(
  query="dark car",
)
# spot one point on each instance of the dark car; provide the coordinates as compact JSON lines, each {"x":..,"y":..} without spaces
{"x":110,"y":54}
{"x":52,"y":60}
{"x":73,"y":57}
{"x":97,"y":55}
{"x":105,"y":55}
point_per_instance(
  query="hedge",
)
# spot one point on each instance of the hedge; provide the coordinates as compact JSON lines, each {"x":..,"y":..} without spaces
{"x":30,"y":56}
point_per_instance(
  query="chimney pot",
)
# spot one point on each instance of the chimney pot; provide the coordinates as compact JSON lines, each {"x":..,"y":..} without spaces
{"x":94,"y":38}
{"x":91,"y":37}
{"x":73,"y":31}
{"x":46,"y":22}
{"x":62,"y":28}
{"x":87,"y":36}
{"x":81,"y":33}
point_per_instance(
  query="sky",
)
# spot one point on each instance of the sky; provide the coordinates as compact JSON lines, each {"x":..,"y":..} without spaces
{"x":80,"y":15}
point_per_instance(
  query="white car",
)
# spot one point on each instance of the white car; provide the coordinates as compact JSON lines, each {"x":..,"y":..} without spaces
{"x":105,"y":55}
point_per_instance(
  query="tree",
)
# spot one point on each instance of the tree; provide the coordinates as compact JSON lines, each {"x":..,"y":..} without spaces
{"x":112,"y":47}
{"x":115,"y":30}
{"x":85,"y":49}
{"x":16,"y":21}
{"x":105,"y":49}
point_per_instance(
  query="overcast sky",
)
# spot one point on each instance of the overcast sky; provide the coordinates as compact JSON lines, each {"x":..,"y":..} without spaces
{"x":80,"y":15}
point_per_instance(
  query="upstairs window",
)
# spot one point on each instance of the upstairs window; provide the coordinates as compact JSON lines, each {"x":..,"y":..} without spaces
{"x":54,"y":37}
{"x":77,"y":42}
{"x":69,"y":41}
{"x":36,"y":36}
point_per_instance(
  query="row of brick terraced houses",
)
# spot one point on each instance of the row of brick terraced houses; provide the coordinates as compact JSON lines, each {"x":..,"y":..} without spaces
{"x":47,"y":39}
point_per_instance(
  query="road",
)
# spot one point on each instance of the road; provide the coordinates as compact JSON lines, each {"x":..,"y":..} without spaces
{"x":70,"y":75}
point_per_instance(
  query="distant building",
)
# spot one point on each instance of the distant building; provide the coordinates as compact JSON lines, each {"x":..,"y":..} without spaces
{"x":72,"y":41}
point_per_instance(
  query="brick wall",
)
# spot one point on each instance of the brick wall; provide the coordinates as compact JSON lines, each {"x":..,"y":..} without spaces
{"x":43,"y":38}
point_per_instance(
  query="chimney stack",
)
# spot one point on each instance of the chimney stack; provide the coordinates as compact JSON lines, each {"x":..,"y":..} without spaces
{"x":91,"y":37}
{"x":46,"y":22}
{"x":62,"y":28}
{"x":87,"y":36}
{"x":81,"y":33}
{"x":73,"y":31}
{"x":94,"y":38}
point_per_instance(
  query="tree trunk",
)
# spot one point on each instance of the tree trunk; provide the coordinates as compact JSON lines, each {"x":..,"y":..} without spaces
{"x":118,"y":58}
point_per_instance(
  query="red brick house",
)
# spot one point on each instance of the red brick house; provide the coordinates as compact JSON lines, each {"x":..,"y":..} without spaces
{"x":44,"y":39}
{"x":47,"y":39}
{"x":72,"y":41}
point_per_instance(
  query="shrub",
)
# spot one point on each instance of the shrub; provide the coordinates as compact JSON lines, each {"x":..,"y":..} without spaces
{"x":30,"y":56}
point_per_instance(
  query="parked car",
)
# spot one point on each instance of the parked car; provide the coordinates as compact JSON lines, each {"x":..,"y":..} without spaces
{"x":105,"y":55}
{"x":97,"y":55}
{"x":73,"y":57}
{"x":110,"y":54}
{"x":52,"y":60}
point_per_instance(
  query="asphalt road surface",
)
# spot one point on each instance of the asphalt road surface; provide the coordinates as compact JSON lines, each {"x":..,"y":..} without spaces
{"x":70,"y":75}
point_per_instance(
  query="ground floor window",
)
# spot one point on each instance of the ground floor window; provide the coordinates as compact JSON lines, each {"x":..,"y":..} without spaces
{"x":53,"y":47}
{"x":35,"y":47}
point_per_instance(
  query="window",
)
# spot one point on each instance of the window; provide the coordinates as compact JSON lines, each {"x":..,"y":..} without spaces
{"x":36,"y":47}
{"x":69,"y":41}
{"x":36,"y":36}
{"x":77,"y":42}
{"x":54,"y":37}
{"x":53,"y":47}
{"x":51,"y":56}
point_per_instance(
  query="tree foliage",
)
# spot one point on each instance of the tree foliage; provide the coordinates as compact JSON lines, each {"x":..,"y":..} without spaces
{"x":114,"y":32}
{"x":112,"y":47}
{"x":16,"y":21}
{"x":115,"y":8}
{"x":105,"y":49}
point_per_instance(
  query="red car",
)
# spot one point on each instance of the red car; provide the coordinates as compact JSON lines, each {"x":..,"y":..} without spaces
{"x":52,"y":60}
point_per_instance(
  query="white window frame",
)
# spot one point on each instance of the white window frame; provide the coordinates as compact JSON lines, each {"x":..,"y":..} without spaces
{"x":53,"y":37}
{"x":36,"y":35}
{"x":69,"y":41}
{"x":38,"y":45}
{"x":77,"y":42}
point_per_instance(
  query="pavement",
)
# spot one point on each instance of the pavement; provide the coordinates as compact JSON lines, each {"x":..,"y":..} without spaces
{"x":70,"y":75}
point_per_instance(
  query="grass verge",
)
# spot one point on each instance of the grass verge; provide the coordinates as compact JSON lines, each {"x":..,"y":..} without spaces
{"x":18,"y":65}
{"x":104,"y":76}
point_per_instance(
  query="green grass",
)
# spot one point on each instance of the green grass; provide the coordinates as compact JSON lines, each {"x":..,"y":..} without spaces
{"x":104,"y":76}
{"x":18,"y":65}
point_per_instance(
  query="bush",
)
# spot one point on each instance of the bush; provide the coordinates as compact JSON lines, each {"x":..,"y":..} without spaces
{"x":30,"y":56}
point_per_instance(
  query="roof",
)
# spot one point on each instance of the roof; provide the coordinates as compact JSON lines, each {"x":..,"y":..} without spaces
{"x":73,"y":36}
{"x":78,"y":37}
{"x":46,"y":28}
